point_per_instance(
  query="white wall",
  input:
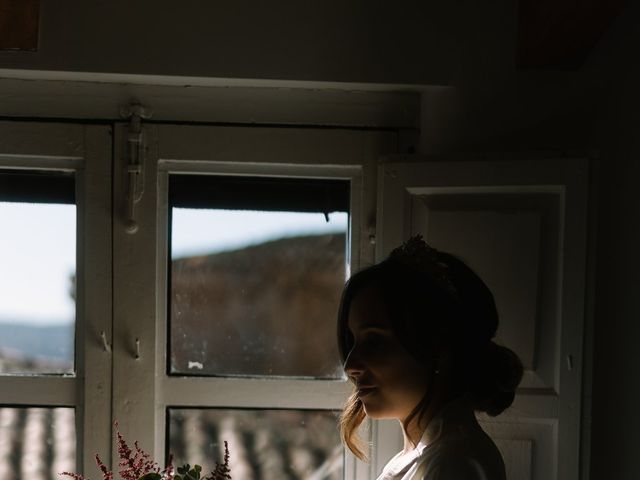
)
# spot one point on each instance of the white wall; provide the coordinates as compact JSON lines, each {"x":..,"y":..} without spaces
{"x":328,"y":40}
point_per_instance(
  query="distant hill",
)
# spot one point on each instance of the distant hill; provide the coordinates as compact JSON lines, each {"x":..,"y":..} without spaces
{"x":53,"y":342}
{"x":267,"y":309}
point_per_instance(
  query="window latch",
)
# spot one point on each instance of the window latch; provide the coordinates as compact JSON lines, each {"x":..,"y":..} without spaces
{"x":136,"y":149}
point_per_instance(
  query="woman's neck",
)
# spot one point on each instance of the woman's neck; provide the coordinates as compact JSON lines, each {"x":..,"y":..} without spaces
{"x":414,"y":431}
{"x":412,"y":435}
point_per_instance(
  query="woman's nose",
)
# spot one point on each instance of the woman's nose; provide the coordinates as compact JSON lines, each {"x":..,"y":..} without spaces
{"x":353,"y":365}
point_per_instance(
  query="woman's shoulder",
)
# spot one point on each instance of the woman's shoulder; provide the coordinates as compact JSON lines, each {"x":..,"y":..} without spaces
{"x":461,"y":450}
{"x":463,"y":457}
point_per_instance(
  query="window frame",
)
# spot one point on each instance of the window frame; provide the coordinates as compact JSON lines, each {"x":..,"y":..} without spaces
{"x":140,"y":263}
{"x":84,"y":150}
{"x":119,"y":275}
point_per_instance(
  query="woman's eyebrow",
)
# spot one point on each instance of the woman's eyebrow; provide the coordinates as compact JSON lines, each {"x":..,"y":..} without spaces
{"x":374,"y":326}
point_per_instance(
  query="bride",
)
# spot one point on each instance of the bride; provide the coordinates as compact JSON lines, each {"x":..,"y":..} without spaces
{"x":415,"y":334}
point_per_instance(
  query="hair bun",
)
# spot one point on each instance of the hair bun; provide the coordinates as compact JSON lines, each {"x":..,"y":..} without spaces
{"x":497,"y":377}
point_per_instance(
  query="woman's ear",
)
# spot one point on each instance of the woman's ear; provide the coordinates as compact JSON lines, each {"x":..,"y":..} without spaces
{"x":443,"y":360}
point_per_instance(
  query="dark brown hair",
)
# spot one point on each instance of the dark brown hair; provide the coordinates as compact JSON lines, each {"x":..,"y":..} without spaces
{"x":426,"y":314}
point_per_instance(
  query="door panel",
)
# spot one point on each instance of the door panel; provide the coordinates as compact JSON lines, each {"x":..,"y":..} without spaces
{"x":515,"y":251}
{"x":521,"y":226}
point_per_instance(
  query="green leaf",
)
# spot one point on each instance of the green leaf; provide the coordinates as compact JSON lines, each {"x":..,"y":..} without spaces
{"x":151,"y":476}
{"x":177,"y":477}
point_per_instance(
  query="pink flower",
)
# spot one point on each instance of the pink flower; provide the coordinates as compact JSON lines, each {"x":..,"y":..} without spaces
{"x":136,"y":463}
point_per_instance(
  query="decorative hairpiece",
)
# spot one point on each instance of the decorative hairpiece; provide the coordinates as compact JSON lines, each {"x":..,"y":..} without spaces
{"x":417,"y":254}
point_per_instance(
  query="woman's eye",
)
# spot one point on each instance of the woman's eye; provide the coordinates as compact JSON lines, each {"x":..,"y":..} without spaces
{"x":373,"y":338}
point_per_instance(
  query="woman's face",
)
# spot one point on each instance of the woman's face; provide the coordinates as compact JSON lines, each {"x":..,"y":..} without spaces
{"x":389,"y":380}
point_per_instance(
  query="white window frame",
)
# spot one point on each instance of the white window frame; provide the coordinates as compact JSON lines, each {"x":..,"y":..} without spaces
{"x":110,"y":384}
{"x":86,"y":151}
{"x":140,"y":263}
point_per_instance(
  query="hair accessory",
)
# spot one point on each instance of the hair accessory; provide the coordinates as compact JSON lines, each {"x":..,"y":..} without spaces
{"x":417,"y":254}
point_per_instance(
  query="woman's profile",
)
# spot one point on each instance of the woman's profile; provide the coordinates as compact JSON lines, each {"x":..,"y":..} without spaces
{"x":415,"y":334}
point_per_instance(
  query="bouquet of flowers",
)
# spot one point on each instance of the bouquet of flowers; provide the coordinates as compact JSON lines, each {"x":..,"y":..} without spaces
{"x":136,"y":464}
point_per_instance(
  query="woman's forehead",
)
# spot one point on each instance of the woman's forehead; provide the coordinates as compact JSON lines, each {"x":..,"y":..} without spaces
{"x":368,"y":309}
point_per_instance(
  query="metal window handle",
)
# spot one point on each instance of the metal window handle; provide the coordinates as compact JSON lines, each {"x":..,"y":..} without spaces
{"x":135,"y":161}
{"x":105,"y":344}
{"x":137,"y":349}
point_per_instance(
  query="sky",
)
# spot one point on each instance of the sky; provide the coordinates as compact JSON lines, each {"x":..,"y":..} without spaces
{"x":38,"y":245}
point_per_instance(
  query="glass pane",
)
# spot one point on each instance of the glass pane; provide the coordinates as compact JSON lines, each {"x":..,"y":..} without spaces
{"x":256,"y":293}
{"x":36,"y":443}
{"x":263,"y":444}
{"x":37,"y":287}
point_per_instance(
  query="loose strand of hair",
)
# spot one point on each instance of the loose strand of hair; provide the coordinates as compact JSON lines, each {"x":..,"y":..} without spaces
{"x":350,"y":420}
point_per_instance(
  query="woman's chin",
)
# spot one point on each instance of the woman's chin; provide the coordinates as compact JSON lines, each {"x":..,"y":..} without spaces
{"x":374,"y":408}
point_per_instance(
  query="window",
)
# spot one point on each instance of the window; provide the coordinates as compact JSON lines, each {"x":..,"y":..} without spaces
{"x":174,"y":288}
{"x":55,"y":252}
{"x":257,"y":267}
{"x":37,"y":316}
{"x":37,"y":281}
{"x":267,"y":443}
{"x":140,"y":314}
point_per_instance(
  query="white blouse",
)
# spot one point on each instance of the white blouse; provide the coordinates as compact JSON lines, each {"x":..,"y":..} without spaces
{"x":453,"y":447}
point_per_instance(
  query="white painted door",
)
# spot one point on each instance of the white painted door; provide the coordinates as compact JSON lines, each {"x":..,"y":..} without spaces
{"x":521,"y":226}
